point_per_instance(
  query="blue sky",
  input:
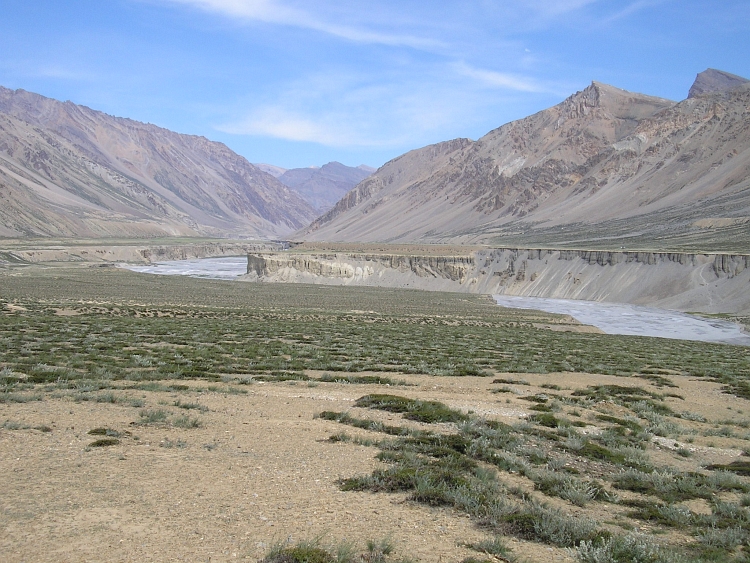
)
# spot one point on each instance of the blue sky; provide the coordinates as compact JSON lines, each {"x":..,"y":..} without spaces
{"x":296,"y":83}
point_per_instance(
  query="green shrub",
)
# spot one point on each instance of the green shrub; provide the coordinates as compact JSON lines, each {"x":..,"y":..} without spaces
{"x":421,"y":411}
{"x":104,"y":442}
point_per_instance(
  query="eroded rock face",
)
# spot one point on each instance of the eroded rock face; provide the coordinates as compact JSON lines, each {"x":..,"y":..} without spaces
{"x":683,"y":281}
{"x":350,"y":266}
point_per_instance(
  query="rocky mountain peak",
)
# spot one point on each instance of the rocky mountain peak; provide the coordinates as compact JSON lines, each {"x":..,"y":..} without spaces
{"x":581,"y":103}
{"x":615,"y":102}
{"x":711,"y":80}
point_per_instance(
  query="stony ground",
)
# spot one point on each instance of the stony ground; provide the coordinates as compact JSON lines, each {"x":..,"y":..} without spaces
{"x":257,"y":469}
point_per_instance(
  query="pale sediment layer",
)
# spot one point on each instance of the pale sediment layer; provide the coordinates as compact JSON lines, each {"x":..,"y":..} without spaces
{"x":709,"y":283}
{"x":138,"y":253}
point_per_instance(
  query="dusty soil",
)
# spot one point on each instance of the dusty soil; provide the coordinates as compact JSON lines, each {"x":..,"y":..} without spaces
{"x":258,"y":470}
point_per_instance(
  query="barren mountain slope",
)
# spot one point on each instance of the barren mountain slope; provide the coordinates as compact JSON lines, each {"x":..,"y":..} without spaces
{"x":604,"y":164}
{"x":323,"y":187}
{"x":67,"y":170}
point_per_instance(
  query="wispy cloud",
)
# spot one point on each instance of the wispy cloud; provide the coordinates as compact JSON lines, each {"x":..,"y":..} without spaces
{"x":276,"y":12}
{"x":385,"y":111}
{"x":281,"y":123}
{"x":502,"y":80}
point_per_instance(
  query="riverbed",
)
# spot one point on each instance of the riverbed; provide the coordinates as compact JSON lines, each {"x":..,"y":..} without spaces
{"x":610,"y":318}
{"x":622,"y":318}
{"x":223,"y":268}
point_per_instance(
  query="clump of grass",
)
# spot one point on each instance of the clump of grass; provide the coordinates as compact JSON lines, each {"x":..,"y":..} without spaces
{"x":494,"y":546}
{"x":413,"y":409}
{"x":510,"y":381}
{"x":101,"y":431}
{"x":153,"y":416}
{"x":740,"y":467}
{"x":578,"y":491}
{"x":724,"y":539}
{"x":673,"y":486}
{"x":539,"y":522}
{"x":167,"y":443}
{"x":14,"y":425}
{"x":671,"y":515}
{"x":630,"y":548}
{"x":365,"y":424}
{"x":359,"y":379}
{"x":302,"y":553}
{"x":186,"y":422}
{"x":313,"y":551}
{"x":20,"y":397}
{"x":282,"y":376}
{"x":545,"y":419}
{"x":104,"y":442}
{"x":189,"y":406}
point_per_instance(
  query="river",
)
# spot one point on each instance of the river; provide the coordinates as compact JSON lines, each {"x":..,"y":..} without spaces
{"x":622,"y":318}
{"x":222,"y":268}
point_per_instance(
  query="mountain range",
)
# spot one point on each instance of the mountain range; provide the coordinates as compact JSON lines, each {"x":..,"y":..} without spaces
{"x":605,"y":167}
{"x":321,"y":186}
{"x":70,"y":171}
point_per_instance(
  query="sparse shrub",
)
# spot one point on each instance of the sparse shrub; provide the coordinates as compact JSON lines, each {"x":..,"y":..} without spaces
{"x":695,"y":417}
{"x":539,"y":522}
{"x":167,"y":443}
{"x":632,"y":548}
{"x":740,"y":467}
{"x":153,"y":416}
{"x":493,"y":546}
{"x":300,"y":554}
{"x":186,"y":422}
{"x":189,"y":406}
{"x":421,"y":411}
{"x":379,"y":550}
{"x":568,"y":487}
{"x":722,"y":538}
{"x":13,"y":425}
{"x":104,"y":432}
{"x":545,"y":419}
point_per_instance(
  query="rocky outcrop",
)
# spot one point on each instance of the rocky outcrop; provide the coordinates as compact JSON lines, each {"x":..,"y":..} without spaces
{"x":710,"y":283}
{"x":348,"y":267}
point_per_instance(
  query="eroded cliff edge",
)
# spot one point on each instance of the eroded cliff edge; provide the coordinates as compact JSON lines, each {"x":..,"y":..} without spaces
{"x":710,"y":283}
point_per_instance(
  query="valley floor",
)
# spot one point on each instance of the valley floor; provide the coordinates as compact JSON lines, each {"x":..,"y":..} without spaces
{"x":165,"y":418}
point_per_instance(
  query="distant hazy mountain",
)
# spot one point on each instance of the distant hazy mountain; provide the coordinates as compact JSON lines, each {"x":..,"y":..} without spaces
{"x":274,"y":171}
{"x":604,"y":165}
{"x":321,"y":186}
{"x":67,"y":170}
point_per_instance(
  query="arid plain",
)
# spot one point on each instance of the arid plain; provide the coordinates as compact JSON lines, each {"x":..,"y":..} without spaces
{"x":163,"y":418}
